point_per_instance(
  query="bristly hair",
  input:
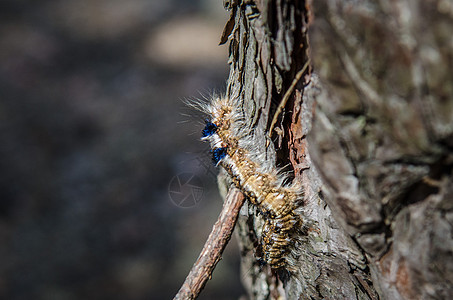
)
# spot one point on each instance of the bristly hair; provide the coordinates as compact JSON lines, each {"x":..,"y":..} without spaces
{"x":235,"y":148}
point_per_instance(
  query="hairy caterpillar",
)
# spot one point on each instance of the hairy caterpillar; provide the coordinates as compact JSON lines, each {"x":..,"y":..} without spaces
{"x":232,"y":148}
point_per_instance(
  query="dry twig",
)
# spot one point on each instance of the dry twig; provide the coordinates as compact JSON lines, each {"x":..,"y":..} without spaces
{"x":286,"y":96}
{"x":213,"y":248}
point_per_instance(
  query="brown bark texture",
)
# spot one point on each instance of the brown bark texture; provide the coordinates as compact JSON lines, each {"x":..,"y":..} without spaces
{"x":382,"y":137}
{"x":369,"y":133}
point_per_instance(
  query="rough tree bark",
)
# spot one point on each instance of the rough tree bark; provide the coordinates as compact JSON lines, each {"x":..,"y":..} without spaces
{"x":369,"y":133}
{"x":383,"y":137}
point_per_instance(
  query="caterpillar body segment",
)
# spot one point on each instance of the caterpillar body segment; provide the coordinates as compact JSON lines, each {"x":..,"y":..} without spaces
{"x":233,"y":148}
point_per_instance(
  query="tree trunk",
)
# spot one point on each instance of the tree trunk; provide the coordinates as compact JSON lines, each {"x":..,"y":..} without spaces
{"x":369,"y":133}
{"x":383,"y":136}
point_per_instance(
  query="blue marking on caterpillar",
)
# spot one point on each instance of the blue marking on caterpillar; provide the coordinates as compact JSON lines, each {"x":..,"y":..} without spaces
{"x":218,"y":154}
{"x":209,"y":129}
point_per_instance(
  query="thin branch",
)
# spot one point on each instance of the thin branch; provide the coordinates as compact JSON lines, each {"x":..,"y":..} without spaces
{"x":287,"y":95}
{"x":213,"y":248}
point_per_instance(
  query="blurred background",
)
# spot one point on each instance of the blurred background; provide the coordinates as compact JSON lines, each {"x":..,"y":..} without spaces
{"x":93,"y":130}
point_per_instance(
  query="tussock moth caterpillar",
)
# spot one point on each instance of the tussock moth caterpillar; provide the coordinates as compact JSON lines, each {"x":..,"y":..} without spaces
{"x":234,"y":148}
